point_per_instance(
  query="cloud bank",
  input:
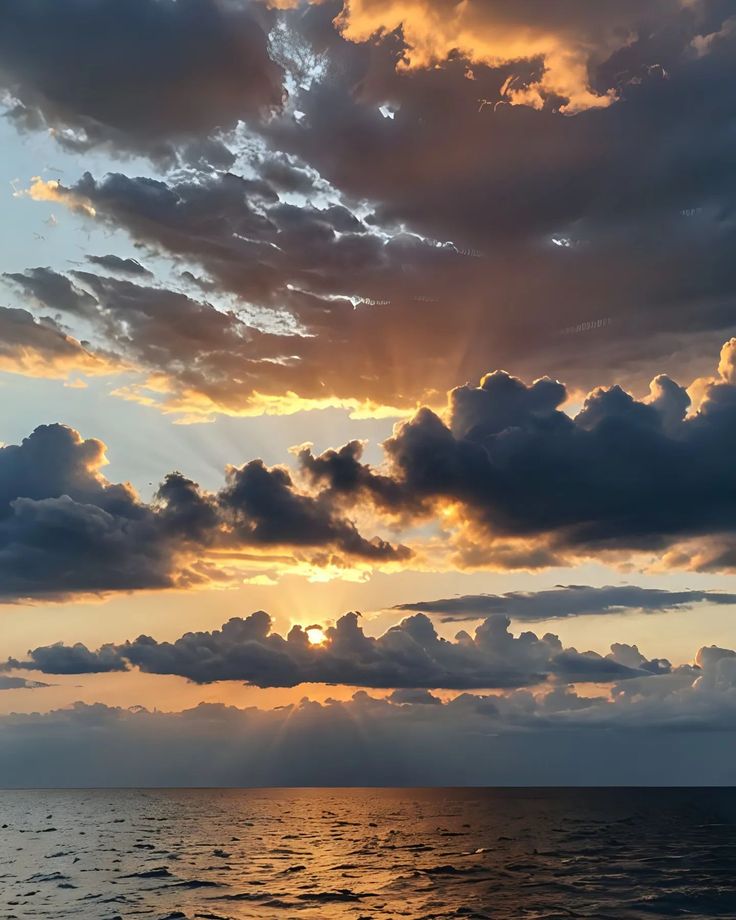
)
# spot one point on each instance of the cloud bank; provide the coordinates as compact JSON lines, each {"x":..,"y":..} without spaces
{"x":673,"y":729}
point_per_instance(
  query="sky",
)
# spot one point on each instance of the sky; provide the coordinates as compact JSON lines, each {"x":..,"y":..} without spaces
{"x":368,"y":382}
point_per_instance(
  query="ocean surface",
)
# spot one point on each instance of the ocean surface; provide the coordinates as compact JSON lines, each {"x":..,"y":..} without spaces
{"x":368,"y":853}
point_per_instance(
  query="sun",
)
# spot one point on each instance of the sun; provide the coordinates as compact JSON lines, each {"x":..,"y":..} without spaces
{"x":315,"y":635}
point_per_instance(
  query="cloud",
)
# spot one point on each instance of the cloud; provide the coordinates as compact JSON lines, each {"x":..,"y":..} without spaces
{"x":328,"y":294}
{"x":52,"y":289}
{"x":142,"y":77}
{"x":74,"y":659}
{"x":408,"y":656}
{"x":65,"y":529}
{"x":619,"y":215}
{"x":508,"y":479}
{"x":40,"y":348}
{"x":550,"y":54}
{"x":680,"y":726}
{"x":633,"y":194}
{"x":523,"y":484}
{"x":263,"y":508}
{"x":266,"y":357}
{"x":114,"y":264}
{"x":566,"y":601}
{"x":514,"y":480}
{"x":19,"y":683}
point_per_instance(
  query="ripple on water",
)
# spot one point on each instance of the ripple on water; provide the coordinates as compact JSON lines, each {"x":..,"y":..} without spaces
{"x":368,"y":854}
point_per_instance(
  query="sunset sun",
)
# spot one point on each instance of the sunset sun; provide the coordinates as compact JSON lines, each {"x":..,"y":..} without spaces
{"x":315,"y":635}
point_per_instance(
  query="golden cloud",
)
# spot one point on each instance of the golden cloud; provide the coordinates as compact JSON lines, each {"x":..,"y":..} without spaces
{"x":494,"y":36}
{"x":52,"y":190}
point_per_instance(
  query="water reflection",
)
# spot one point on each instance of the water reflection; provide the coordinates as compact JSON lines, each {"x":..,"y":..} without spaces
{"x":374,"y":853}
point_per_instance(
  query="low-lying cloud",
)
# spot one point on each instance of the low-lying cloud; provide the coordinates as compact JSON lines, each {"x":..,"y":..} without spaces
{"x":673,"y":729}
{"x":411,"y":656}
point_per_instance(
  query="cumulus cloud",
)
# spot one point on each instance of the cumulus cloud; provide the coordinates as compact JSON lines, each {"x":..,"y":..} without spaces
{"x":409,"y":656}
{"x":525,"y":484}
{"x":681,"y":727}
{"x":65,"y":529}
{"x":510,"y":479}
{"x":566,"y":601}
{"x":263,"y":508}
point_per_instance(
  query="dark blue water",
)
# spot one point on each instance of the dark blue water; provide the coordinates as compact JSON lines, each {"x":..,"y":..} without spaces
{"x":368,"y":853}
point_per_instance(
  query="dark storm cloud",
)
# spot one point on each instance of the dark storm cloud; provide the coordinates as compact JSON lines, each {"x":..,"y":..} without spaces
{"x":681,"y":727}
{"x":566,"y":601}
{"x":114,"y":263}
{"x":621,"y":475}
{"x":141,"y":75}
{"x":410,"y":655}
{"x":64,"y":529}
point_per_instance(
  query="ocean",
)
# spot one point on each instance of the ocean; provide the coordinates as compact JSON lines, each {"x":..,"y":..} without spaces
{"x":231,"y":854}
